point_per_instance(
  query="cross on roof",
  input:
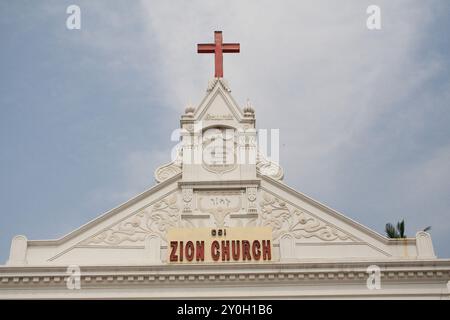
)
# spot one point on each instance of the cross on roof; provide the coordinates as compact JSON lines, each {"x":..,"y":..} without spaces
{"x":218,"y":48}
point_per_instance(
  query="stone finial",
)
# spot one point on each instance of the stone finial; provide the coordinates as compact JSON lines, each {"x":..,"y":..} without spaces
{"x":189,"y":109}
{"x":248,"y":109}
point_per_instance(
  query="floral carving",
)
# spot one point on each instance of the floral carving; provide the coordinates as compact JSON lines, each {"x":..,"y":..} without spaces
{"x":154,"y":221}
{"x":188,"y":194}
{"x":276,"y":213}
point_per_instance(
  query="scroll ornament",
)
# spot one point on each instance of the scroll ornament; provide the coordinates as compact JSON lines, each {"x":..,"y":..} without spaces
{"x":169,"y":170}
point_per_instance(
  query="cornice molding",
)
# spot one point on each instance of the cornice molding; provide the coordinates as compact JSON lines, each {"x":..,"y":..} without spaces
{"x":229,"y":274}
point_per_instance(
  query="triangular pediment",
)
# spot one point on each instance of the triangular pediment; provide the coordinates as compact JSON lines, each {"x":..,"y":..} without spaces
{"x":218,"y":104}
{"x":190,"y":195}
{"x":302,"y":228}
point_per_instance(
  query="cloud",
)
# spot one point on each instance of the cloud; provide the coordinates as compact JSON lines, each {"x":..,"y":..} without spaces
{"x":347,"y":100}
{"x":429,"y":182}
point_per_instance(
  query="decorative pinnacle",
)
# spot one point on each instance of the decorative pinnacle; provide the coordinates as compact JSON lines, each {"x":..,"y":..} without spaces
{"x":189,"y":109}
{"x":248,"y":109}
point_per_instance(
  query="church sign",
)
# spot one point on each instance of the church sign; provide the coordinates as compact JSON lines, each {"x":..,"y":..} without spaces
{"x":219,"y":245}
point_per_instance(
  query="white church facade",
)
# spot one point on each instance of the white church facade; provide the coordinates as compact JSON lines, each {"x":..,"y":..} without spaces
{"x":221,"y":223}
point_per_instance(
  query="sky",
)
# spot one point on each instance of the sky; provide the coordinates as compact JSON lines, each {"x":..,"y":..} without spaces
{"x":86,"y":115}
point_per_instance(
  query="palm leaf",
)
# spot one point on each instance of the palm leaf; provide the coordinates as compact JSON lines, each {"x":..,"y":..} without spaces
{"x":401,"y":229}
{"x":391,"y":232}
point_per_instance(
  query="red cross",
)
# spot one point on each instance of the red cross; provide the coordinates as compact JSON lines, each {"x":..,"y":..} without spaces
{"x":218,"y":48}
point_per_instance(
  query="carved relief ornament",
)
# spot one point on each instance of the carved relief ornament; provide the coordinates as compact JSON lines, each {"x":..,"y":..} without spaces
{"x":156,"y":220}
{"x":285,"y":219}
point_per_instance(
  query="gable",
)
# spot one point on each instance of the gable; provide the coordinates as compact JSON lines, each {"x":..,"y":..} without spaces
{"x":302,"y":229}
{"x":197,"y":195}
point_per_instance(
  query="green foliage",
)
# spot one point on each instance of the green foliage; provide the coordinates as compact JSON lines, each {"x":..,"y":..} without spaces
{"x":391,"y":232}
{"x":396,"y":233}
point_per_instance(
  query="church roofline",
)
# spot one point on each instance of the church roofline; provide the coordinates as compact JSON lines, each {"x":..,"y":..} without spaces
{"x":161,"y":185}
{"x":106,"y":215}
{"x":338,"y":215}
